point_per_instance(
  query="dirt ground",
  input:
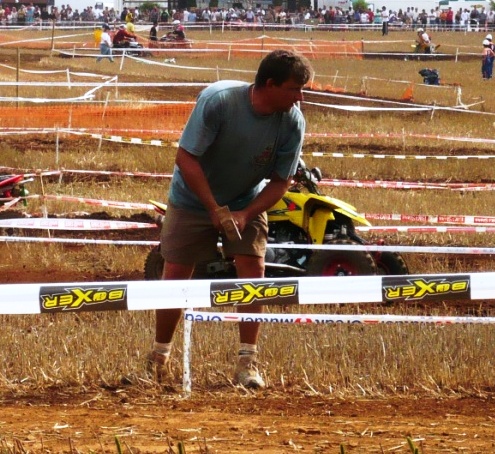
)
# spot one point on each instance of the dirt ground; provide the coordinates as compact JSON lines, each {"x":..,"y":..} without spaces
{"x":239,"y":421}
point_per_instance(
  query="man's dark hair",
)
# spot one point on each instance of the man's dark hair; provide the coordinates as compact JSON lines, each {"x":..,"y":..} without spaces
{"x":282,"y":65}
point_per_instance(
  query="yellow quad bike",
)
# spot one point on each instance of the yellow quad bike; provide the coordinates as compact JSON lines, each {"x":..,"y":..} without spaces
{"x":303,"y":217}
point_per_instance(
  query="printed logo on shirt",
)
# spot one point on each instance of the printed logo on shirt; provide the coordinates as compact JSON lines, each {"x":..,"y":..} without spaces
{"x":264,"y":158}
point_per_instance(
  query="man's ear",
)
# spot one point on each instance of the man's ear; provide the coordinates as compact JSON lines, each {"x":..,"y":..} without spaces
{"x":270,"y":83}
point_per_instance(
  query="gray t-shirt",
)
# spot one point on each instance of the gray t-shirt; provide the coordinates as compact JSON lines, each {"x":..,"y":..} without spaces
{"x":236,"y":147}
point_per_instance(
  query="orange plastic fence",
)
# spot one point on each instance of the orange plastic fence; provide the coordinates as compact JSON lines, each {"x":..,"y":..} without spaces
{"x":256,"y":48}
{"x":248,"y":48}
{"x":169,"y":117}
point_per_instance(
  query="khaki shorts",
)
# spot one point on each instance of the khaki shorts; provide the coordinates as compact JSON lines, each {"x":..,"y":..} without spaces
{"x":189,"y":237}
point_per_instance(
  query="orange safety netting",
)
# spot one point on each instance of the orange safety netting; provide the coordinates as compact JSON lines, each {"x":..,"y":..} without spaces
{"x":144,"y":121}
{"x":248,"y":48}
{"x":258,"y":47}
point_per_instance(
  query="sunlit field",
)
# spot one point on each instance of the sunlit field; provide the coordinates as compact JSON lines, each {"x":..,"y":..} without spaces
{"x":92,"y":348}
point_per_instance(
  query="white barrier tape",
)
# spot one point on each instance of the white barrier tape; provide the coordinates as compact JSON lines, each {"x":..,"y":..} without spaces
{"x":62,"y":71}
{"x":108,"y":173}
{"x":120,"y":139}
{"x":432,"y":219}
{"x":114,"y":83}
{"x":350,"y":108}
{"x":84,"y":97}
{"x":399,"y":136}
{"x":399,"y":103}
{"x":323,"y":182}
{"x":180,"y":294}
{"x":425,"y":229}
{"x":72,"y":224}
{"x":103,"y":203}
{"x":399,"y":157}
{"x":305,"y":319}
{"x":94,"y":224}
{"x":389,"y":248}
{"x":391,"y":135}
{"x":328,"y":247}
{"x":78,"y":241}
{"x":407,"y":185}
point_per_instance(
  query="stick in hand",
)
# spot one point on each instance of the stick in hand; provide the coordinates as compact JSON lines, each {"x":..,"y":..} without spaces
{"x":228,"y":224}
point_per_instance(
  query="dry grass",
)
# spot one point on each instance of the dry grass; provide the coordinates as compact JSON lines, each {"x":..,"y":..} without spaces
{"x":89,"y":349}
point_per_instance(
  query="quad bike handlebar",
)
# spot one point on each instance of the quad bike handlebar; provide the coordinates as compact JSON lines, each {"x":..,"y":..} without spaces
{"x":306,"y":178}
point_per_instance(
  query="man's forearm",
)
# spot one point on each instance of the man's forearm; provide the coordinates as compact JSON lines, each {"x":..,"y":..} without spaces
{"x":270,"y":195}
{"x":195,"y":178}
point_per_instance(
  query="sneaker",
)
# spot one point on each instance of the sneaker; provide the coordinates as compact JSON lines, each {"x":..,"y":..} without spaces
{"x":157,"y":365}
{"x":247,"y":374}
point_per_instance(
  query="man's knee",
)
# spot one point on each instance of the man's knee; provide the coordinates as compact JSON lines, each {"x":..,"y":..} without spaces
{"x":249,"y":266}
{"x":176,"y":271}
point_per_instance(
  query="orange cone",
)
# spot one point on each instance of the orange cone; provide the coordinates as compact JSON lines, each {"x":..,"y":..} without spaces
{"x":408,"y":93}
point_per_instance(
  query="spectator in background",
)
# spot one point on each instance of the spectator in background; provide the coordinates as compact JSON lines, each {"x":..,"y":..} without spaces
{"x":474,"y":16}
{"x":490,"y":19}
{"x":423,"y":18}
{"x":129,"y":17}
{"x":21,"y":15}
{"x":489,"y":38}
{"x":482,"y":20}
{"x":105,"y":44}
{"x":487,"y":60}
{"x":385,"y":18}
{"x":131,"y":29}
{"x":164,"y":16}
{"x":154,"y":15}
{"x":123,"y":14}
{"x":465,"y":18}
{"x":154,"y":32}
{"x":30,"y":14}
{"x":449,"y":19}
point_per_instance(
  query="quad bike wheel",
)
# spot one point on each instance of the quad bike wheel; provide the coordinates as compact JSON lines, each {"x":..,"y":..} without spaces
{"x":390,"y":263}
{"x":341,"y":263}
{"x":153,"y":266}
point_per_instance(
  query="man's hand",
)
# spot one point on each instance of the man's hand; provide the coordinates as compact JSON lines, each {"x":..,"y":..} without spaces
{"x":228,"y":222}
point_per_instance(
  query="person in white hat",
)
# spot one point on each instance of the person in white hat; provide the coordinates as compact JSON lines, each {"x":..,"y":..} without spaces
{"x":489,"y":38}
{"x":487,"y":60}
{"x":177,"y":34}
{"x":423,"y":41}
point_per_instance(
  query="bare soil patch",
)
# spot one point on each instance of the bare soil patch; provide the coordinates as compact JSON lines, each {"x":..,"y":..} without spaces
{"x":231,"y":420}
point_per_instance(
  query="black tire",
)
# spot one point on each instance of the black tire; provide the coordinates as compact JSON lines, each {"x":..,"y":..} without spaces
{"x":153,"y":266}
{"x":341,"y":263}
{"x":390,"y":263}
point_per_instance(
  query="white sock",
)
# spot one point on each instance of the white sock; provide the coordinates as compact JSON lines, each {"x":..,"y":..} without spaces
{"x":162,"y":348}
{"x":247,"y":349}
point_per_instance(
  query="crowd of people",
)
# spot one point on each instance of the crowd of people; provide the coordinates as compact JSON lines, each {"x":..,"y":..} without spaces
{"x":440,"y":18}
{"x":23,"y":14}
